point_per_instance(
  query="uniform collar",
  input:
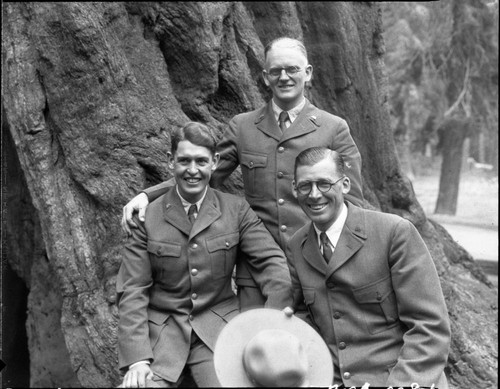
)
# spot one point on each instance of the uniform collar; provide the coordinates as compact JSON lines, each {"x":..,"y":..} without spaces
{"x":187,"y":204}
{"x":292,"y":113}
{"x":335,"y":229}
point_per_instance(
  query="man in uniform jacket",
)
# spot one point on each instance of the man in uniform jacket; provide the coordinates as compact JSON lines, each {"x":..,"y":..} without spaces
{"x":174,"y":284}
{"x":369,"y":284}
{"x":266,"y":153}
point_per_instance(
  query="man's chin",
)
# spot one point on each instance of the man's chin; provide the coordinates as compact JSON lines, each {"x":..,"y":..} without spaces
{"x":191,"y":194}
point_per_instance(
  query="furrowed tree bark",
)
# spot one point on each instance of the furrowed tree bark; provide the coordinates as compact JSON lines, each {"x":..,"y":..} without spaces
{"x":90,"y":94}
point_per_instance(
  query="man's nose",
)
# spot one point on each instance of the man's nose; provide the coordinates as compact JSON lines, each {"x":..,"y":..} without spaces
{"x":315,"y":192}
{"x":192,"y":169}
{"x":284,"y":75}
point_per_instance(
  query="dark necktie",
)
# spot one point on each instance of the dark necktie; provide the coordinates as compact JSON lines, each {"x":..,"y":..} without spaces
{"x":282,"y":119}
{"x":327,"y":247}
{"x":191,"y":212}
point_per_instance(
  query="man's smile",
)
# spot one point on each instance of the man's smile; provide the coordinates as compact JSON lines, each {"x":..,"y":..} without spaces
{"x":192,"y":180}
{"x":317,"y":207}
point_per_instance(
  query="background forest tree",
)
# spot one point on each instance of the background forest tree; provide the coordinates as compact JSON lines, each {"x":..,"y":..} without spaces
{"x":90,"y":94}
{"x":443,"y":69}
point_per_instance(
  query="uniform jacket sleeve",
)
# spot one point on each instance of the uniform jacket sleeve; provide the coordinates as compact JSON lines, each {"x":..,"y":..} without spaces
{"x":421,"y":308}
{"x":133,"y":283}
{"x":228,"y":155}
{"x":267,"y":262}
{"x":344,"y":144}
{"x":156,"y":191}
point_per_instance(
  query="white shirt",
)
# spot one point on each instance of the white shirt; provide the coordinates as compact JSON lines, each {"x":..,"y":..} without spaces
{"x":187,"y":204}
{"x":335,"y":229}
{"x":292,"y":114}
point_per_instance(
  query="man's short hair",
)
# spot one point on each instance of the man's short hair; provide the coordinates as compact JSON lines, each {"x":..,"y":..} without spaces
{"x":196,"y":133}
{"x":313,"y":155}
{"x":286,"y":42}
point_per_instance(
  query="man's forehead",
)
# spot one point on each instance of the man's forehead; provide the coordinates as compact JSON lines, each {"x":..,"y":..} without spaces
{"x":324,"y":169}
{"x":187,"y":149}
{"x":280,"y":48}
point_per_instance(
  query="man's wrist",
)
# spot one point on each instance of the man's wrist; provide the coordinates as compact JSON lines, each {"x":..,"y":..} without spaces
{"x":144,"y":192}
{"x":145,"y":361}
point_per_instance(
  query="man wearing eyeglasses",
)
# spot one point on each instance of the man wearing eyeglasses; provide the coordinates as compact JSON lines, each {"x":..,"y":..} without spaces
{"x":265,"y":142}
{"x":368,"y":281}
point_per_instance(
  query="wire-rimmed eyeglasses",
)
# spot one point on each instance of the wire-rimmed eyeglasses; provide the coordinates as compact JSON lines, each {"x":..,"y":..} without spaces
{"x":304,"y":188}
{"x":289,"y":70}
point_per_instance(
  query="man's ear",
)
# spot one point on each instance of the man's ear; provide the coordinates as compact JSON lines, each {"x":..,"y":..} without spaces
{"x":170,"y":158}
{"x":266,"y":81}
{"x":216,"y":158}
{"x":309,"y":72}
{"x":346,"y":185}
{"x":294,"y":191}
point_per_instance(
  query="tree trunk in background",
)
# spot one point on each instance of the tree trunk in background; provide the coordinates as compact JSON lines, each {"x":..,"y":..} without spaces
{"x":452,"y":134}
{"x":90,"y":90}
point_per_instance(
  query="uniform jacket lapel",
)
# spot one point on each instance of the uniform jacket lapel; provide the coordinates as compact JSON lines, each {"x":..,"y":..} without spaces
{"x":266,"y":122}
{"x":208,"y":213}
{"x":173,"y":212}
{"x":312,"y":253}
{"x":352,"y":238}
{"x":304,"y":123}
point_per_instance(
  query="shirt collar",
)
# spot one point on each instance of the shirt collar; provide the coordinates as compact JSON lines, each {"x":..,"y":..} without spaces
{"x":292,"y":113}
{"x":187,"y":204}
{"x":335,"y":229}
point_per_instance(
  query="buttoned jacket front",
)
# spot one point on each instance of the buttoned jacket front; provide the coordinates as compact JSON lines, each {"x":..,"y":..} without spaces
{"x":175,"y":279}
{"x":254,"y":141}
{"x":378,"y":303}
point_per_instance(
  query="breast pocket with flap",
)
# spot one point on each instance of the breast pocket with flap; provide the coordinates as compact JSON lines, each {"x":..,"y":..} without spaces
{"x":222,"y":249}
{"x":166,"y":262}
{"x":252,"y":169}
{"x":378,"y":304}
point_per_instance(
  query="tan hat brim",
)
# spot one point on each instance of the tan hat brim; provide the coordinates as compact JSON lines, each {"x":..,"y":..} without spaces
{"x":228,"y":354}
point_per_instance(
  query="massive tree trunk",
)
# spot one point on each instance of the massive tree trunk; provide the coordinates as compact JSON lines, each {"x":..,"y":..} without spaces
{"x":91,"y":89}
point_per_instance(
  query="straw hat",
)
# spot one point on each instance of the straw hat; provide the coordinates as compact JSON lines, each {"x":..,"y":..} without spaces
{"x":264,"y":347}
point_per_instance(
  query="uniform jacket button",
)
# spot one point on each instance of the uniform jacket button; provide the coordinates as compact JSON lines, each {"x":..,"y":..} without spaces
{"x":194,"y":272}
{"x":347,"y":375}
{"x":194,"y":296}
{"x":280,"y":174}
{"x":342,"y":345}
{"x":337,"y":315}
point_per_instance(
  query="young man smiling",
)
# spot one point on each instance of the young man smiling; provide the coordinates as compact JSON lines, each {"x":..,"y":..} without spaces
{"x":174,"y":283}
{"x":368,"y":281}
{"x":264,"y":143}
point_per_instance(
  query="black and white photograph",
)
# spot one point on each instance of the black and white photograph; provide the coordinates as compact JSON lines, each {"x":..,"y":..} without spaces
{"x":249,"y":194}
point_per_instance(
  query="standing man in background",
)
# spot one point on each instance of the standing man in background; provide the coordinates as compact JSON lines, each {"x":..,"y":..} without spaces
{"x":265,"y":142}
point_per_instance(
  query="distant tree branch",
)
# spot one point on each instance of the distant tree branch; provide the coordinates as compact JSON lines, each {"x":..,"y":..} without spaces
{"x":462,"y":93}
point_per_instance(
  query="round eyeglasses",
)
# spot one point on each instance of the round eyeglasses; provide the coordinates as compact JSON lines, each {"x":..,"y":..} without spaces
{"x":289,"y":70}
{"x":305,"y":188}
